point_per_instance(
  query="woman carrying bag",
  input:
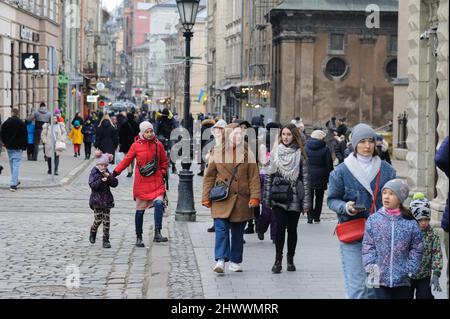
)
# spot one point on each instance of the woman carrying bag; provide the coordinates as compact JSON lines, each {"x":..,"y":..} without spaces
{"x":60,"y":136}
{"x":354,"y":193}
{"x":231,"y":188}
{"x":149,"y":188}
{"x":287,"y":191}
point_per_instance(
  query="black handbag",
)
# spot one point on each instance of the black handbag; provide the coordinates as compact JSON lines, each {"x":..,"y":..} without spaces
{"x":220,"y":192}
{"x":151,"y":167}
{"x":281,"y":192}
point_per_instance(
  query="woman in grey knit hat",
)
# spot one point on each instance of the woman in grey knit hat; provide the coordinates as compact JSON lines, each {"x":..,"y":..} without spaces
{"x":352,"y":195}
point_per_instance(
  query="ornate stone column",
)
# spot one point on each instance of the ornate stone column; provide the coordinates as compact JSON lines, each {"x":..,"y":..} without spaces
{"x":442,"y":185}
{"x":418,"y":92}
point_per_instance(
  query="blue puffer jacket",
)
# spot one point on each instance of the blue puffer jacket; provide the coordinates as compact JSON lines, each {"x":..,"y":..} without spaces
{"x":344,"y":187}
{"x":395,"y":245}
{"x":442,"y":161}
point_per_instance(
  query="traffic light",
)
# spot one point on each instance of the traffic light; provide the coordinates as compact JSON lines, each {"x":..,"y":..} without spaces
{"x":102,"y":104}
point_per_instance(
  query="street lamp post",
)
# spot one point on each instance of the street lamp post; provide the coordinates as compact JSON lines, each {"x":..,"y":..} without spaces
{"x":185,"y":210}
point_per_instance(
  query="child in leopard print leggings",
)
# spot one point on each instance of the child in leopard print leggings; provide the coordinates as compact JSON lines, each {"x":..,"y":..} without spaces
{"x":101,"y":200}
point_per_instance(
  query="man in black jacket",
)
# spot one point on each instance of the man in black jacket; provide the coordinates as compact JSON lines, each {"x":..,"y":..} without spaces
{"x":14,"y":135}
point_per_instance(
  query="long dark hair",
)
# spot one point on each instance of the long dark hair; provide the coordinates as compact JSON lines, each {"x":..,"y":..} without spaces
{"x":297,"y":138}
{"x":406,"y":213}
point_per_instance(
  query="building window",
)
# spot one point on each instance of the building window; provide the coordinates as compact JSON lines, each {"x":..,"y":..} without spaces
{"x":390,"y":69}
{"x":336,"y":43}
{"x":336,"y":68}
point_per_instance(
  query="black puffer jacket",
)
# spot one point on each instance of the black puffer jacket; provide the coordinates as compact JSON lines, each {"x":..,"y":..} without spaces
{"x":301,"y":199}
{"x":14,"y":134}
{"x":127,"y":133}
{"x":320,"y":163}
{"x":106,"y":138}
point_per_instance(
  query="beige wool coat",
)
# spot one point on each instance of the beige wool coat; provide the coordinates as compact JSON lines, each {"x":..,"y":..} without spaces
{"x":245,"y":186}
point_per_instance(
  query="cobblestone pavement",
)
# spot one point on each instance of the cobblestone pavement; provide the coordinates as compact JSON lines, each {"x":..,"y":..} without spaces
{"x":44,"y":235}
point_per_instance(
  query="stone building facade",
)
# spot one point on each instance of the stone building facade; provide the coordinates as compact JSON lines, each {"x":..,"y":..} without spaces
{"x":27,"y":27}
{"x":327,"y":61}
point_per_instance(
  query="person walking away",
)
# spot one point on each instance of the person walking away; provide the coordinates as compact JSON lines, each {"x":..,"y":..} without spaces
{"x":102,"y":200}
{"x":353,"y":194}
{"x":287,"y":192}
{"x":127,"y":134}
{"x":442,"y":162}
{"x":88,"y":131}
{"x":15,"y":137}
{"x":30,"y":137}
{"x":59,"y":135}
{"x":206,"y":124}
{"x":383,"y":149}
{"x":219,"y":133}
{"x":78,"y":118}
{"x":165,"y":127}
{"x":392,"y":244}
{"x":1,"y":144}
{"x":149,"y":187}
{"x":267,"y":217}
{"x":40,"y":117}
{"x":320,"y":165}
{"x":76,"y":136}
{"x":431,"y":267}
{"x":106,"y":137}
{"x":237,"y":169}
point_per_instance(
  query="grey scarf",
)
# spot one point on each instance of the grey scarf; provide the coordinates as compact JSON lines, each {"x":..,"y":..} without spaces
{"x":286,"y":161}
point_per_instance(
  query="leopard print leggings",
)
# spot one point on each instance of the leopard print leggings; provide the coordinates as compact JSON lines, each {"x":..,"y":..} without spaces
{"x":101,"y":215}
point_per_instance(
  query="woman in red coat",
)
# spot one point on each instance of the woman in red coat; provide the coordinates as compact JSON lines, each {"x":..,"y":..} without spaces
{"x":148,"y":191}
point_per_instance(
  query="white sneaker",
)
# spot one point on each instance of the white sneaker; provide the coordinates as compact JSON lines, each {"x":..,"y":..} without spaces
{"x":235,"y":267}
{"x":220,"y":266}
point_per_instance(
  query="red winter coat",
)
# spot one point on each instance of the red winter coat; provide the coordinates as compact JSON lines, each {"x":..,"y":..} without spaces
{"x":152,"y":187}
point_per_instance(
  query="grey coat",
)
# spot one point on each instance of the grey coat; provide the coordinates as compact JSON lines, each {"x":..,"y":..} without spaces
{"x":301,"y":199}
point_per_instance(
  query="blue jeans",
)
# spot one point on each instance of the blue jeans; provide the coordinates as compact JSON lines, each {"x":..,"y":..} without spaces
{"x":354,"y":272}
{"x":223,"y":250}
{"x":15,"y":156}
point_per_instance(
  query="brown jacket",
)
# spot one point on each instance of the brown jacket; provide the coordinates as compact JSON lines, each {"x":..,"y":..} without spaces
{"x":245,"y":186}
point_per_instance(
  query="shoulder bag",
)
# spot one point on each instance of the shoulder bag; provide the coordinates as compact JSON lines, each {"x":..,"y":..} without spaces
{"x":220,"y":192}
{"x":150,"y":168}
{"x":353,"y":230}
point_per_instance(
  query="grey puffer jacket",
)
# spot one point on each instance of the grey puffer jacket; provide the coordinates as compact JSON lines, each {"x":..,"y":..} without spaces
{"x":301,"y":199}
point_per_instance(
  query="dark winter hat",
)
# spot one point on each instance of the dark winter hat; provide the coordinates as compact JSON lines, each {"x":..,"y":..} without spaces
{"x":399,"y":187}
{"x":420,"y":209}
{"x":361,"y":132}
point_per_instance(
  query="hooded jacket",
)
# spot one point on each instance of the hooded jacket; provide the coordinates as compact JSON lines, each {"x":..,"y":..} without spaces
{"x":320,"y":163}
{"x":442,"y":161}
{"x":41,"y":115}
{"x":395,"y":245}
{"x":127,"y":133}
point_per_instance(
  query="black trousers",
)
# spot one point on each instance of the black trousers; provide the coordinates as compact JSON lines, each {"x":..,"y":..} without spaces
{"x":30,"y":151}
{"x":87,"y":149}
{"x":49,"y":163}
{"x":289,"y":221}
{"x":37,"y":142}
{"x":316,"y":206}
{"x":392,"y":293}
{"x":421,"y":289}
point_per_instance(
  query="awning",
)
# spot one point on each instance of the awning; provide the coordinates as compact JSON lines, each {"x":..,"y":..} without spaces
{"x":227,"y":87}
{"x":253,"y":83}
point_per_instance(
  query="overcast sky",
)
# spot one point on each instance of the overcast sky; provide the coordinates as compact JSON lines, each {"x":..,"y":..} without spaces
{"x":111,"y":4}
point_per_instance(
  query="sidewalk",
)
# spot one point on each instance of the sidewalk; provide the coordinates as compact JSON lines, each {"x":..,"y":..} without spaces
{"x":34,"y":174}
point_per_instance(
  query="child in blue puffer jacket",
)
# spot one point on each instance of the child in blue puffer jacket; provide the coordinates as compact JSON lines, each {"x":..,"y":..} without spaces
{"x":392,"y":244}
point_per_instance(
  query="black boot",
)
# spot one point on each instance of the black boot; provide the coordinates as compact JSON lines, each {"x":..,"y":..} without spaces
{"x":158,"y":237}
{"x":106,"y":243}
{"x":139,"y":242}
{"x":276,"y":269}
{"x":250,"y":228}
{"x":92,"y":237}
{"x":211,"y":229}
{"x":290,"y":263}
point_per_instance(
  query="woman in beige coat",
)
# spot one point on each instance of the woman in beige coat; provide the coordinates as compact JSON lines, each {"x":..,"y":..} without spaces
{"x":60,"y":134}
{"x":244,"y":193}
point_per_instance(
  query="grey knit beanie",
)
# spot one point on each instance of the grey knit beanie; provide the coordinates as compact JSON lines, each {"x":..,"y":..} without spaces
{"x":360,"y":132}
{"x":399,"y":187}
